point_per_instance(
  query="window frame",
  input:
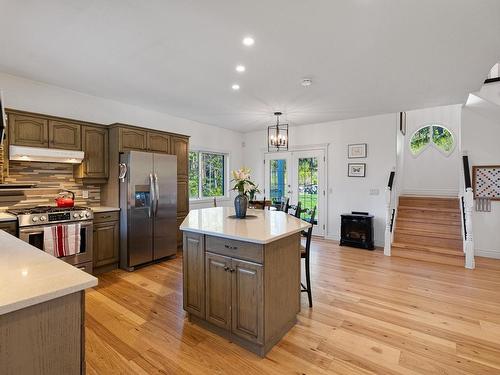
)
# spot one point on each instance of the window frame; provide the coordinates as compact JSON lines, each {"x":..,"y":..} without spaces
{"x":226,"y":181}
{"x":431,"y":141}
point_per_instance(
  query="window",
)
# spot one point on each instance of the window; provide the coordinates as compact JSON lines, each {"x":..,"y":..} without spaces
{"x":432,"y":136}
{"x":207,"y":174}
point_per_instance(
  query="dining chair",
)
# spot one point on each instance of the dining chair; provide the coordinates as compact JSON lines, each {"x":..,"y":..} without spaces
{"x":296,"y":208}
{"x":284,"y":204}
{"x":261,"y":205}
{"x":305,"y":253}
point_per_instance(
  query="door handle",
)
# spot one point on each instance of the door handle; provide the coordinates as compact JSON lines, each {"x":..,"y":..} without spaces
{"x":152,"y":197}
{"x":157,"y":190}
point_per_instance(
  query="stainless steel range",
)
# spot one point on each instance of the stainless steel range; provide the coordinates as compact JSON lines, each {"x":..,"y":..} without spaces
{"x":32,"y":221}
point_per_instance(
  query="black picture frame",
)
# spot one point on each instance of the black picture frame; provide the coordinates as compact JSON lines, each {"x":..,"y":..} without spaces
{"x":361,"y":165}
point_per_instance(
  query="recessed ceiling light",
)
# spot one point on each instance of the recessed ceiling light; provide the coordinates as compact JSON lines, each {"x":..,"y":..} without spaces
{"x":240,"y":68}
{"x":248,"y":41}
{"x":235,"y":87}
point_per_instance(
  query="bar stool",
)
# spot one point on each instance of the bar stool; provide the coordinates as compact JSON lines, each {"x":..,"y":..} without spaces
{"x":305,"y":253}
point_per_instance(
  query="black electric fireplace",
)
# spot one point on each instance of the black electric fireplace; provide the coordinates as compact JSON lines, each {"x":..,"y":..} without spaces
{"x":356,"y":230}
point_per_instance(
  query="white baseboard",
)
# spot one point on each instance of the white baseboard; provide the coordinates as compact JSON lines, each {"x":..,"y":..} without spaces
{"x":336,"y":238}
{"x":487,"y":253}
{"x":431,"y":192}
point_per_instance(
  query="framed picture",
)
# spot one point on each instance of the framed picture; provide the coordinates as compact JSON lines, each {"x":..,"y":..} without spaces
{"x":356,"y":170}
{"x":486,"y":181}
{"x":356,"y":151}
{"x":402,"y":122}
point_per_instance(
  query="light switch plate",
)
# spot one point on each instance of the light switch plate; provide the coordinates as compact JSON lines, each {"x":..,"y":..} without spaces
{"x":374,"y":191}
{"x":85,"y":194}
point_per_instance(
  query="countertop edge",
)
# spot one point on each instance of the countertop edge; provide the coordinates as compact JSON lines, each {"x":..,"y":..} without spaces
{"x":100,"y":209}
{"x":19,"y":305}
{"x":244,"y":239}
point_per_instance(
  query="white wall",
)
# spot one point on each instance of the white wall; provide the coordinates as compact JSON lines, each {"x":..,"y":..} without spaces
{"x":24,"y":94}
{"x":480,"y":139}
{"x":345,"y":194}
{"x":432,"y":173}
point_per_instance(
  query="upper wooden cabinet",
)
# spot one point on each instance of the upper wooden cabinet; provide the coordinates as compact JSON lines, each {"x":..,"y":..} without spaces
{"x":28,"y":130}
{"x":132,"y":139}
{"x":180,"y":148}
{"x":158,"y":142}
{"x":95,"y":165}
{"x":64,"y":135}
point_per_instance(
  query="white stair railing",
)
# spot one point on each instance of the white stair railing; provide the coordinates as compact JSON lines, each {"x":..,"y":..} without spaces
{"x":389,"y":215}
{"x":467,"y":206}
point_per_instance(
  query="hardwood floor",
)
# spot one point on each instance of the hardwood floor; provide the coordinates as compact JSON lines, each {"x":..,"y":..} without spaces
{"x":371,"y":314}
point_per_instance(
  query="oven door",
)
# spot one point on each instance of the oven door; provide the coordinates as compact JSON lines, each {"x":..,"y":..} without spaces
{"x":34,"y":236}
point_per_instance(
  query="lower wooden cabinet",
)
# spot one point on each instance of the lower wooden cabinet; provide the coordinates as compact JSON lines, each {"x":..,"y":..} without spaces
{"x":106,"y":249}
{"x":193,"y":269}
{"x":234,"y":296}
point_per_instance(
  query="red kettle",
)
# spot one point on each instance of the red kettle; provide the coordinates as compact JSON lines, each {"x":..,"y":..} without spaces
{"x":65,"y":199}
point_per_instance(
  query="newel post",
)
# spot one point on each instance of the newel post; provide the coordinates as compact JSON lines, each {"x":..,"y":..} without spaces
{"x":469,"y":241}
{"x":388,"y":216}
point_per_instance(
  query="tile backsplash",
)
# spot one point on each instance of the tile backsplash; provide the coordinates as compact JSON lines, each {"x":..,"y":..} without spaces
{"x":49,"y":179}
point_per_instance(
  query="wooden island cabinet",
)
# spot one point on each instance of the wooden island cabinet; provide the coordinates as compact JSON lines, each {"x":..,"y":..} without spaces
{"x":241,"y":277}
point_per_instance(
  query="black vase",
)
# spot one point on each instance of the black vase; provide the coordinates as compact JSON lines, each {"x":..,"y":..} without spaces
{"x":240,"y":206}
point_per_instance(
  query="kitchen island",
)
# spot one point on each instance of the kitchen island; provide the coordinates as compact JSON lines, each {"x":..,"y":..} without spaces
{"x":241,"y":277}
{"x":41,"y":311}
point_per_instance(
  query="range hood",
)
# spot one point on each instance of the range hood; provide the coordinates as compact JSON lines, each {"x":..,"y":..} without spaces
{"x":51,"y":155}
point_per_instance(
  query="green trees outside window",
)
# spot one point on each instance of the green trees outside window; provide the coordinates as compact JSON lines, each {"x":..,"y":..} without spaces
{"x":432,"y":135}
{"x":206,"y":174}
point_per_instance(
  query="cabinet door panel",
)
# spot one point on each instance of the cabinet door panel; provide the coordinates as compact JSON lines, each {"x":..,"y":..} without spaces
{"x":180,"y":148}
{"x":218,"y":289}
{"x":64,"y":135}
{"x":28,"y":131}
{"x":106,"y":249}
{"x":182,"y":197}
{"x":158,"y":142}
{"x":247,"y":301}
{"x":132,"y":139}
{"x":95,"y":146}
{"x":193,"y":272}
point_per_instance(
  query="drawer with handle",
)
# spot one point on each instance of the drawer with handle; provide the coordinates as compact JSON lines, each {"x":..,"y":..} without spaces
{"x":86,"y":267}
{"x":235,"y":249}
{"x":106,"y":216}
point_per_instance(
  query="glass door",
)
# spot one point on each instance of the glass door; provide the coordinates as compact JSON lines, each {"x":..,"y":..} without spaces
{"x":308,"y":186}
{"x":276,"y":177}
{"x":299,"y":176}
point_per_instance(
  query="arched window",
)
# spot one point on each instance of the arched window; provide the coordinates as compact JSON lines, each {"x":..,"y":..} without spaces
{"x":432,"y":136}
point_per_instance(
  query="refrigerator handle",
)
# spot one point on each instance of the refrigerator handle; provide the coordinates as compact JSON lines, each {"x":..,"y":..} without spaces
{"x":157,"y":190}
{"x":152,"y":196}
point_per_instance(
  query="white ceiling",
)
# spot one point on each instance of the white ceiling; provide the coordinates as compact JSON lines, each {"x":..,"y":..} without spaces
{"x":365,"y":56}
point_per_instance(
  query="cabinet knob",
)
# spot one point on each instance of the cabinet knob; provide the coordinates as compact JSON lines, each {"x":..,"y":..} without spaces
{"x":226,"y":268}
{"x":231,"y":247}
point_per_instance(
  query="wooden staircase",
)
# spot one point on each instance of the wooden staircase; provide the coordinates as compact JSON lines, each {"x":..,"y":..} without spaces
{"x":429,"y":229}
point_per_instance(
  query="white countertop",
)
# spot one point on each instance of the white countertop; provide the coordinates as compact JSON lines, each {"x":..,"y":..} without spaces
{"x":29,"y":276}
{"x":262,"y":226}
{"x":4,"y":216}
{"x":104,"y":209}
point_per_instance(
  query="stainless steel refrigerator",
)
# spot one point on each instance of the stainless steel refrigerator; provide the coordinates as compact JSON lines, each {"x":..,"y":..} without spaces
{"x":148,"y":207}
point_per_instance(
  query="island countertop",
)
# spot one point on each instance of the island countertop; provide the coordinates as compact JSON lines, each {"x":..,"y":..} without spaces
{"x":29,"y":276}
{"x":260,"y":226}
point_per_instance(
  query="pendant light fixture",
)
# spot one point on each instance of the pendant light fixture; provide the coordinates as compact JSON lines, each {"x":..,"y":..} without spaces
{"x":277,"y":135}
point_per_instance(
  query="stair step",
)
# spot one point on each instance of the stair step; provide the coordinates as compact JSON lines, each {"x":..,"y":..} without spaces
{"x":433,"y":220}
{"x":430,"y":233}
{"x":442,"y":202}
{"x":429,"y":209}
{"x":438,"y":227}
{"x":427,"y":239}
{"x":427,"y":256}
{"x":428,"y":248}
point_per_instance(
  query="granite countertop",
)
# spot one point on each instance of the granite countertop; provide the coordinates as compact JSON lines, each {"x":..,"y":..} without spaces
{"x":260,"y":226}
{"x":4,"y":216}
{"x":104,"y":209}
{"x":29,"y":276}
